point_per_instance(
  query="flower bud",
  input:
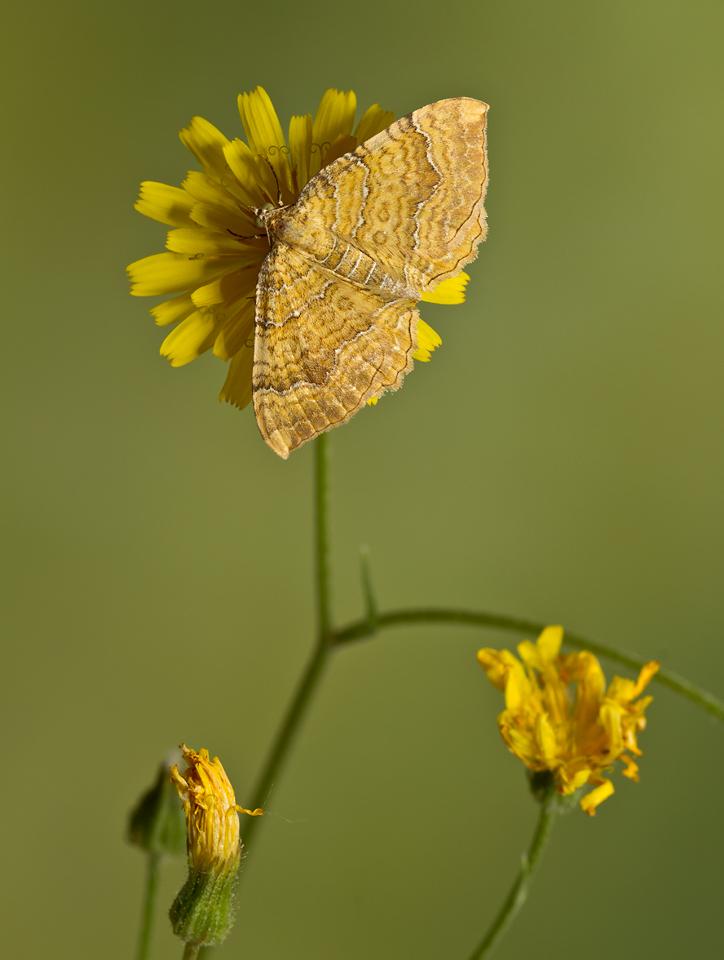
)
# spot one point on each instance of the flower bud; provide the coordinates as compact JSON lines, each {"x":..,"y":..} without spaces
{"x":156,"y":823}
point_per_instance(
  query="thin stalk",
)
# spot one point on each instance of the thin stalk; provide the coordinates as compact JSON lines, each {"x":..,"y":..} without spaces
{"x":191,"y":951}
{"x":309,"y":681}
{"x":666,"y":678}
{"x":519,"y":891}
{"x":321,"y":538}
{"x":284,"y":738}
{"x":148,"y":909}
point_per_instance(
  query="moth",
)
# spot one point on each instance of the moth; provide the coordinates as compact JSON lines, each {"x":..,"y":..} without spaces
{"x":336,"y":318}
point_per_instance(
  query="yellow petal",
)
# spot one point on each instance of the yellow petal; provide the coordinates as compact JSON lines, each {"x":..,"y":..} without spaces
{"x":166,"y":204}
{"x":252,"y":173}
{"x":231,"y":199}
{"x":586,"y":671}
{"x":207,"y":144}
{"x":373,"y":401}
{"x":427,"y":341}
{"x":335,"y":115}
{"x":207,"y":190}
{"x":334,"y":119}
{"x":621,"y":689}
{"x":648,"y":671}
{"x":227,"y":288}
{"x":549,"y":643}
{"x":260,"y":121}
{"x":237,"y":386}
{"x":209,"y":243}
{"x":373,"y":121}
{"x":497,"y":664}
{"x":521,"y":741}
{"x":171,"y":311}
{"x":572,"y":780}
{"x":448,"y":291}
{"x":264,"y":133}
{"x":300,"y":148}
{"x":545,"y":740}
{"x":609,"y":716}
{"x":257,"y":812}
{"x":192,"y":337}
{"x":631,"y":768}
{"x":168,"y":272}
{"x":595,"y":798}
{"x":530,"y":654}
{"x":213,"y":216}
{"x":517,"y":687}
{"x":236,"y":332}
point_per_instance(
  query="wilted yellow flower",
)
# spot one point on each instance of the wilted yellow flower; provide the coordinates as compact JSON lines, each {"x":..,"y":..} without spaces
{"x":577,"y":738}
{"x":212,"y":813}
{"x":202,"y":912}
{"x":215,"y":250}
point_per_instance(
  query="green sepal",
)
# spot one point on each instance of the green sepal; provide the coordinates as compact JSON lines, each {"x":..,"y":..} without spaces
{"x":157,"y":823}
{"x":203,"y":911}
{"x":541,"y":783}
{"x":542,"y":786}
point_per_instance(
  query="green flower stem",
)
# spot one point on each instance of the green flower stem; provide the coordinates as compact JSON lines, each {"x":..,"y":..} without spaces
{"x":519,"y":891}
{"x":149,"y":905}
{"x":309,"y":680}
{"x":321,"y":539}
{"x":191,"y":951}
{"x":285,"y":737}
{"x":361,"y":629}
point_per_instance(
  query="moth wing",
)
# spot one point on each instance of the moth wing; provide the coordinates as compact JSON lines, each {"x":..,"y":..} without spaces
{"x":323,"y":348}
{"x":411,"y":197}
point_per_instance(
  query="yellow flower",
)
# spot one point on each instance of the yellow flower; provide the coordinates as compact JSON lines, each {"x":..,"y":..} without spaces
{"x":212,"y":813}
{"x":214,"y":251}
{"x":203,"y":911}
{"x":576,"y":738}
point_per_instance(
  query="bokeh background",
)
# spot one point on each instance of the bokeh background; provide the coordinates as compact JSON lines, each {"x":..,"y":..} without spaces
{"x":561,"y":459}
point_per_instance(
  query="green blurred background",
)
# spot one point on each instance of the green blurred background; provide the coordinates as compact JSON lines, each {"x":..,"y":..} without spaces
{"x":561,"y":458}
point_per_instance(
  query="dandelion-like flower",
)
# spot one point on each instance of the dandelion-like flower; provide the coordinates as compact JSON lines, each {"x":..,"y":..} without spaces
{"x":202,"y":911}
{"x":576,"y":738}
{"x":215,"y":250}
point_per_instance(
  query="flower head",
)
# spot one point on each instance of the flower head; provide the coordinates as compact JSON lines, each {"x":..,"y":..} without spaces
{"x":576,"y":738}
{"x":215,"y":248}
{"x":202,"y":911}
{"x":212,"y":813}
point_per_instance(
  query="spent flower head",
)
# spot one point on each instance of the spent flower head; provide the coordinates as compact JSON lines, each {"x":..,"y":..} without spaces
{"x":576,"y":737}
{"x":202,"y":911}
{"x":215,"y":248}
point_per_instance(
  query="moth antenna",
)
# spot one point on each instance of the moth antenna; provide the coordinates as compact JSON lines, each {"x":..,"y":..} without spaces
{"x":241,"y":236}
{"x":245,"y":208}
{"x":276,"y":180}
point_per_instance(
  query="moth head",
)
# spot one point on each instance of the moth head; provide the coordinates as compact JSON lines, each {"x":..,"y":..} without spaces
{"x":262,"y":214}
